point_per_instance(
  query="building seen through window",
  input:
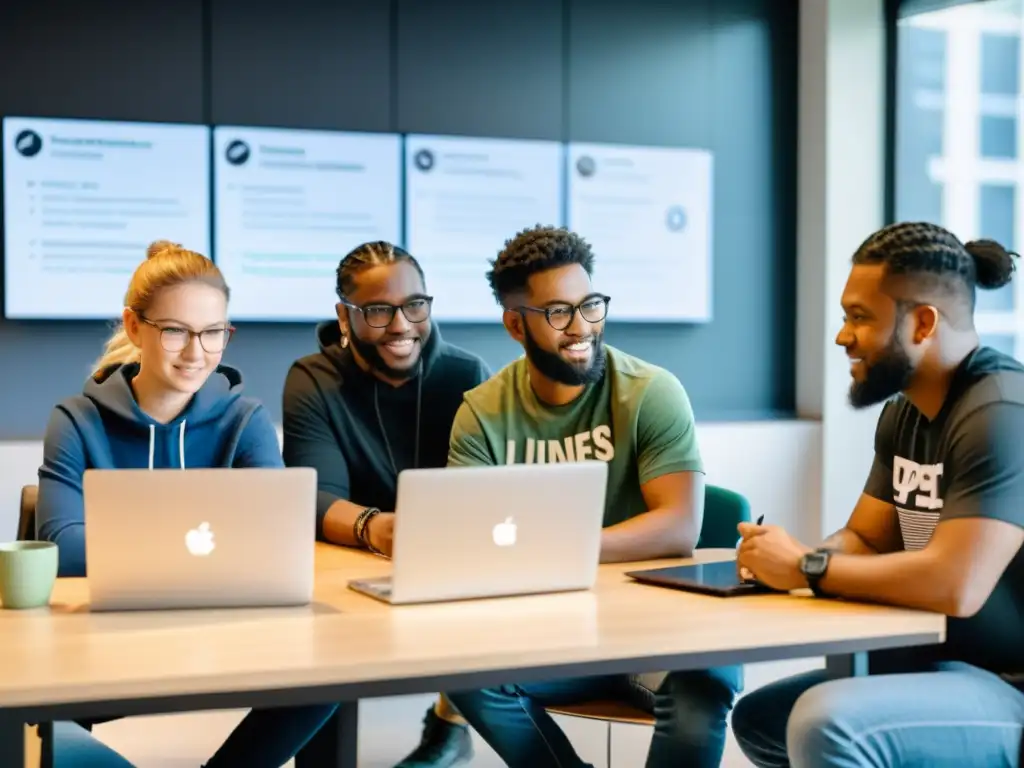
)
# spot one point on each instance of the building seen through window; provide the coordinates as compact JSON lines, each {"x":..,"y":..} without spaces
{"x":960,"y":135}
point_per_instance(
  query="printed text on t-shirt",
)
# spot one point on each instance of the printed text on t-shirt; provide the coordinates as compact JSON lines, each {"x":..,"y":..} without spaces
{"x":594,"y":443}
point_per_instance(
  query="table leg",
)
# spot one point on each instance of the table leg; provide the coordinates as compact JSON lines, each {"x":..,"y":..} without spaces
{"x":847,"y":665}
{"x":45,"y":731}
{"x":12,"y":741}
{"x":336,"y":745}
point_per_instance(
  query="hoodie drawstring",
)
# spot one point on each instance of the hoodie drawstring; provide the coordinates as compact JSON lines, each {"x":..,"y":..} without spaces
{"x":181,"y":443}
{"x":384,"y":432}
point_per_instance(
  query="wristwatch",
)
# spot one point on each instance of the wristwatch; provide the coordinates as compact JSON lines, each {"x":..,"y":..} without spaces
{"x":813,"y":566}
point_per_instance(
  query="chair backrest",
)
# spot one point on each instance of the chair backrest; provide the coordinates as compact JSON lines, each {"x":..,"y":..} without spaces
{"x":723,"y":511}
{"x":27,"y":516}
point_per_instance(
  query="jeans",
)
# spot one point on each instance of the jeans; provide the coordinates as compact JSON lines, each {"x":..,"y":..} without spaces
{"x":953,"y":715}
{"x":266,"y":738}
{"x":690,"y":710}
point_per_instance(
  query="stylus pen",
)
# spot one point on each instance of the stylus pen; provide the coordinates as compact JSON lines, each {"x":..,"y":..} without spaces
{"x":760,"y":519}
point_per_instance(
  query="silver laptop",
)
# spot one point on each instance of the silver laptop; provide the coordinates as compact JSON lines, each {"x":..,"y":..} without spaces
{"x":468,"y":532}
{"x":199,"y":538}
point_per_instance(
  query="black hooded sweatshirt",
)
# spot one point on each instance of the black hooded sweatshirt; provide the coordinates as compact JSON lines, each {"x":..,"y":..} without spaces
{"x":359,"y":432}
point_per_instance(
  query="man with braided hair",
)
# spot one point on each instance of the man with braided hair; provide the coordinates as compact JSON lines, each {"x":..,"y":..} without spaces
{"x":938,"y":527}
{"x":571,"y":398}
{"x":377,"y":399}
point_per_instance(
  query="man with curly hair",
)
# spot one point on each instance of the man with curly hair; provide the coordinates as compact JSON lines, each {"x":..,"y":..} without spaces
{"x":572,"y":398}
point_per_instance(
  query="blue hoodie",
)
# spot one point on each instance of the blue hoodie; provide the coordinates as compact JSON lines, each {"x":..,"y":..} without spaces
{"x":104,"y":428}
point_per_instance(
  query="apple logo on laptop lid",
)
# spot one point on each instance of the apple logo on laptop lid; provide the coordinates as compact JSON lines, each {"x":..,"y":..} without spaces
{"x":504,"y":533}
{"x":199,"y":541}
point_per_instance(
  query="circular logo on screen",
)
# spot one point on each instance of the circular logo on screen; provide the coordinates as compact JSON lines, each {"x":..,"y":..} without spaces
{"x":237,"y":152}
{"x":28,"y":143}
{"x":675,"y":219}
{"x":424,"y":159}
{"x":585,"y":166}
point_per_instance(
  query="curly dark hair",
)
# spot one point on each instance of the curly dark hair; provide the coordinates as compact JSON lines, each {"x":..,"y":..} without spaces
{"x":933,"y":258}
{"x":534,"y":250}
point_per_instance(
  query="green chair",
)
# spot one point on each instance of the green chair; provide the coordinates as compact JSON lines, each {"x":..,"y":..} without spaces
{"x":71,"y":745}
{"x":64,"y":744}
{"x":724,"y":510}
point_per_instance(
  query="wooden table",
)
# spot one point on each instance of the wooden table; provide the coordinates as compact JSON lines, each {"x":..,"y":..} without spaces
{"x":64,"y":662}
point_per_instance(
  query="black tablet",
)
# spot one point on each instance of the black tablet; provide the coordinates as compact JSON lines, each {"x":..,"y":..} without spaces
{"x":719,"y":579}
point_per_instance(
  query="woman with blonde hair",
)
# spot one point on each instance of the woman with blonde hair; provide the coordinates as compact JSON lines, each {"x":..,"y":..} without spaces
{"x":159,"y":397}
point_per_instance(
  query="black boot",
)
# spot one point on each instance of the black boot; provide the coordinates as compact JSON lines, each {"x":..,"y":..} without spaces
{"x":443,"y":745}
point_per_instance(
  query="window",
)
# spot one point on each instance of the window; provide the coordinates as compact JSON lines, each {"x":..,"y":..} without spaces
{"x":996,"y":212}
{"x":999,"y":137}
{"x":925,"y":52}
{"x":1000,"y":69}
{"x":1003,"y":342}
{"x":996,"y":219}
{"x":959,"y":150}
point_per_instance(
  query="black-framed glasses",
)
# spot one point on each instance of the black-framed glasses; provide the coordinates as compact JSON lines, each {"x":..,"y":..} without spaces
{"x":593,"y":309}
{"x":415,"y":310}
{"x":174,"y":338}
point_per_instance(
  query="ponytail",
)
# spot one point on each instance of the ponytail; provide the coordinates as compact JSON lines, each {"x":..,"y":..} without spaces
{"x":118,"y":350}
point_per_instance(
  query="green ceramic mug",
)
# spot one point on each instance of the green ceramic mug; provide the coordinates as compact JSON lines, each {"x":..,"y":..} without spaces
{"x":28,"y":570}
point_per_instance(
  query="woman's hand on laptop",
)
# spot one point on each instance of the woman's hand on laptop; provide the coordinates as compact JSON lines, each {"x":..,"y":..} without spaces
{"x":380,"y":531}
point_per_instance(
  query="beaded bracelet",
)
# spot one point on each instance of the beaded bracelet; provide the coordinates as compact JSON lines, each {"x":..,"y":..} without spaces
{"x":359,"y":528}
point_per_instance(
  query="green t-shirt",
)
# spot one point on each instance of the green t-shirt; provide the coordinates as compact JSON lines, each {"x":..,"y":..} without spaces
{"x":638,"y":419}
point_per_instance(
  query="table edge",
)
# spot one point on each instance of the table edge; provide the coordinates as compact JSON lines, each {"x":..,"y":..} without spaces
{"x":103,"y":704}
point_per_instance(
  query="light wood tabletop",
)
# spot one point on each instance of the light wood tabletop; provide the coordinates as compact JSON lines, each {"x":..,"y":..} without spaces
{"x":64,"y":654}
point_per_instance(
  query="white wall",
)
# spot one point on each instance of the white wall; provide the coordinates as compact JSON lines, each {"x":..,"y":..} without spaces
{"x":841,"y":189}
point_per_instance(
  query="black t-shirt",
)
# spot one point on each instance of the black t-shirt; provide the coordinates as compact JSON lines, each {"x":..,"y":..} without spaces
{"x":967,"y":462}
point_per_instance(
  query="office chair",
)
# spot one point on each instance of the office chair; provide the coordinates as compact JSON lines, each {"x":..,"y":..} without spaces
{"x":724,"y":510}
{"x":63,"y":744}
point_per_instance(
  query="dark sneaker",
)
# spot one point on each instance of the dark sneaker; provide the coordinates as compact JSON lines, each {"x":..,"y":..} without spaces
{"x":443,"y":745}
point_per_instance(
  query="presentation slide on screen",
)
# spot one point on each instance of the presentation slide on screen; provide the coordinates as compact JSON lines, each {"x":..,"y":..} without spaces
{"x":82,"y":201}
{"x":464,"y":198}
{"x":646,"y":211}
{"x":290,"y":204}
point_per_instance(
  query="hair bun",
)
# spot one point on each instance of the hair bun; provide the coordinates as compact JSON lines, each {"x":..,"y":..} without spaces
{"x":160,"y":246}
{"x":993,"y":263}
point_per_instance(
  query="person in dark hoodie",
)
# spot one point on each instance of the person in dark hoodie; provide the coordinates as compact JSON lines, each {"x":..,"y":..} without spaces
{"x":160,"y":398}
{"x":378,"y":398}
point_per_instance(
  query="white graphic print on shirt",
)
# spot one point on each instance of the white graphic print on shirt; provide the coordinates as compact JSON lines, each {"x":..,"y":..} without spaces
{"x":593,"y":443}
{"x":915,"y":492}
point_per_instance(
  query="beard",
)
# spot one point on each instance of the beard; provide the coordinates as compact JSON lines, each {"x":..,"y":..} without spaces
{"x":369,"y":352}
{"x":551,"y":364}
{"x":888,"y":375}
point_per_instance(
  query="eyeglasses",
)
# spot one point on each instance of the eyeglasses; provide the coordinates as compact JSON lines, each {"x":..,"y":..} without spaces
{"x":593,"y":309}
{"x":415,"y":310}
{"x":175,"y":339}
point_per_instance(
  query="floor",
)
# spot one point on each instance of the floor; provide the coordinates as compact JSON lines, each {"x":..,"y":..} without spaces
{"x":389,"y":728}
